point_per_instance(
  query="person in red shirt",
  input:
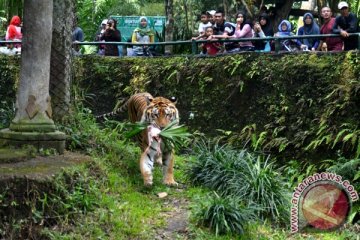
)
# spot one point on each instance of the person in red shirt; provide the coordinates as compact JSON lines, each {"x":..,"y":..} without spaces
{"x":210,"y":48}
{"x":332,"y":44}
{"x":13,"y":32}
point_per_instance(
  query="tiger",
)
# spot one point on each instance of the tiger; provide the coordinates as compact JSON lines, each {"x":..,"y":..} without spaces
{"x":157,"y":113}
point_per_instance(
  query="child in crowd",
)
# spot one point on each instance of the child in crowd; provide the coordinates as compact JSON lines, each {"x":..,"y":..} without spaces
{"x":211,"y":48}
{"x":204,"y":23}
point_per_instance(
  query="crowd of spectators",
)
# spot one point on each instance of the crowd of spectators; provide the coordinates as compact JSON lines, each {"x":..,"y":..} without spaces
{"x":213,"y":26}
{"x":262,"y":26}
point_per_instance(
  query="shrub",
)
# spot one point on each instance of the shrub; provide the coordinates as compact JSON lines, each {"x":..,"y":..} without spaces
{"x":224,"y":215}
{"x":241,"y":174}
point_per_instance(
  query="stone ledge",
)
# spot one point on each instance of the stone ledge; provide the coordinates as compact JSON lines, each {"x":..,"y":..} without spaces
{"x":44,"y":140}
{"x":40,"y":167}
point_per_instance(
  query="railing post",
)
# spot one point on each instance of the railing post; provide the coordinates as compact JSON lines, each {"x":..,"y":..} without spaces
{"x":277,"y":45}
{"x":359,"y":41}
{"x":193,"y":47}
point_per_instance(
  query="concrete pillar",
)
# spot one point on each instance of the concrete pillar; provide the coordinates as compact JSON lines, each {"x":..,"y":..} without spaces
{"x":33,"y":122}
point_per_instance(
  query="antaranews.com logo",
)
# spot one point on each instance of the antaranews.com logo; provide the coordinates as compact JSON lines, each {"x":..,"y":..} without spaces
{"x":323,"y":201}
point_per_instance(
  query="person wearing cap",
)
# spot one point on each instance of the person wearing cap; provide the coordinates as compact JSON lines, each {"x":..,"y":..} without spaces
{"x":211,"y":15}
{"x":346,"y":23}
{"x":102,"y":27}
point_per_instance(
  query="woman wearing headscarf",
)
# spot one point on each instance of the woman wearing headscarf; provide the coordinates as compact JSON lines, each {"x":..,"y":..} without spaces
{"x":310,"y":28}
{"x":142,"y":34}
{"x":284,"y":30}
{"x":262,"y":29}
{"x":111,"y":34}
{"x":13,"y":32}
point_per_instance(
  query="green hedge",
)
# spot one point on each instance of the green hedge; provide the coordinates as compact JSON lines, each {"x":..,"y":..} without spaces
{"x":297,"y":104}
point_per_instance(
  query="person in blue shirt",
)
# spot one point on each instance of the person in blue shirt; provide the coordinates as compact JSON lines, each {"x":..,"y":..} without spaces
{"x":310,"y":28}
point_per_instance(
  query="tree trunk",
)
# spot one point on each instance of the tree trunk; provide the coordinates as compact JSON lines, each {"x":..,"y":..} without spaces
{"x":225,"y":8}
{"x":282,"y":12}
{"x":169,"y":26}
{"x":60,"y":71}
{"x":186,"y":18}
{"x":33,"y":108}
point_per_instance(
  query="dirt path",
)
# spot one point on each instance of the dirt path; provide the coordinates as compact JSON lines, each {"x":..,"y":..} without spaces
{"x":177,"y":219}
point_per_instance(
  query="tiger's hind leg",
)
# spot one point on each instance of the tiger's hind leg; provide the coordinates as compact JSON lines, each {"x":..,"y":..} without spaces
{"x":168,"y":169}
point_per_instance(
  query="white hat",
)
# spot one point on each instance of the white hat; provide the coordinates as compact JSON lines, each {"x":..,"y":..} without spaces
{"x":211,"y":12}
{"x":342,"y":5}
{"x":104,"y":21}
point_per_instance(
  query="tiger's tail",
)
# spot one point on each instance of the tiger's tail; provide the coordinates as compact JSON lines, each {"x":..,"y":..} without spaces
{"x":124,"y":107}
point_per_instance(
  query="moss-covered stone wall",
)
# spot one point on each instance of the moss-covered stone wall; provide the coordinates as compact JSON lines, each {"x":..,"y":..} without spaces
{"x":295,"y":103}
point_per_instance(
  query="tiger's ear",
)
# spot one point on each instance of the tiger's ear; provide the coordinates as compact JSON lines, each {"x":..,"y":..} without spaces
{"x":173,"y":99}
{"x":148,"y":100}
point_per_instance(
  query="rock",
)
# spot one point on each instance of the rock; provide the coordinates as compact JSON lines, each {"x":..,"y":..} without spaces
{"x":162,"y":194}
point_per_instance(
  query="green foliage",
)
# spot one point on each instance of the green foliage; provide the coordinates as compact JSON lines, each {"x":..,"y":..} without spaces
{"x":252,"y":178}
{"x":224,"y":215}
{"x":175,"y":135}
{"x":9,"y":69}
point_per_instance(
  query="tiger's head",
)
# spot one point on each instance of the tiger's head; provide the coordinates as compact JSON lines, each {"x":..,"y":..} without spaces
{"x":160,"y":111}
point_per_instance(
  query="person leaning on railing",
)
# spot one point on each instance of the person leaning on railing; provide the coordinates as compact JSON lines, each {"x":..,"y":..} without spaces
{"x":262,"y":29}
{"x":111,"y":34}
{"x":310,"y":28}
{"x":13,"y":32}
{"x":332,"y":43}
{"x":346,"y":23}
{"x":284,"y":30}
{"x":142,"y":34}
{"x":243,"y":30}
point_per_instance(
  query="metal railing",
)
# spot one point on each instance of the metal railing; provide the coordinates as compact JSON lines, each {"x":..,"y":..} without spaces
{"x":194,"y":43}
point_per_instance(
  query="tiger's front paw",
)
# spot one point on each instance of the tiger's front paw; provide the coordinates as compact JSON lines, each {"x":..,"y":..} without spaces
{"x":148,"y":179}
{"x":148,"y":184}
{"x":171,"y":182}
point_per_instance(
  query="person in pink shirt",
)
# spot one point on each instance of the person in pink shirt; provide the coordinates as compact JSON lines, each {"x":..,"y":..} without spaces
{"x":244,"y":30}
{"x":332,"y":44}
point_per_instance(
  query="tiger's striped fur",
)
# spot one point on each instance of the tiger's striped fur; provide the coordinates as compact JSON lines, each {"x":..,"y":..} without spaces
{"x":157,"y":113}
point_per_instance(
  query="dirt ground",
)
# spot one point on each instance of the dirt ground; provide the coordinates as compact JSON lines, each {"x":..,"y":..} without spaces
{"x":177,"y":220}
